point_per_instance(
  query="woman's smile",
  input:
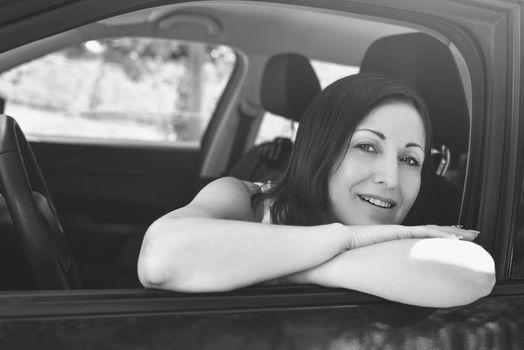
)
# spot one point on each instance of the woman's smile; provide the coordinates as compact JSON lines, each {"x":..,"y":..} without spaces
{"x":373,"y":209}
{"x":377,"y":201}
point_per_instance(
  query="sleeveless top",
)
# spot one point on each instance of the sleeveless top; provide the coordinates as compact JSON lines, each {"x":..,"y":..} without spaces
{"x":263,"y":188}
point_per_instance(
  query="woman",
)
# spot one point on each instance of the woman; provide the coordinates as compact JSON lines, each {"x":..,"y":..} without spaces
{"x":360,"y":155}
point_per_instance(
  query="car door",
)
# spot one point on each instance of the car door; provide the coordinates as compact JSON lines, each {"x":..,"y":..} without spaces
{"x":488,"y":36}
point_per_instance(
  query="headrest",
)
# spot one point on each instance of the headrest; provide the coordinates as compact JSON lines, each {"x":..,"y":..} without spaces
{"x":289,"y":83}
{"x":427,"y":66}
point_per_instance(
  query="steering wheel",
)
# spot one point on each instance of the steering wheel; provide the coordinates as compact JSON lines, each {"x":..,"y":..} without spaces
{"x":34,"y":217}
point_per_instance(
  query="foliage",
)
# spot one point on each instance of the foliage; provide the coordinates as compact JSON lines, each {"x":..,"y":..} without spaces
{"x":136,"y":54}
{"x":170,"y":85}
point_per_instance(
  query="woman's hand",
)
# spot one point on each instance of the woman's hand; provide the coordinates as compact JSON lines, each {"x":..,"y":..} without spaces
{"x":365,"y":235}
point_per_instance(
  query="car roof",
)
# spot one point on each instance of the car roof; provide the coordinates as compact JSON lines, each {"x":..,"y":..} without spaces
{"x":267,"y":29}
{"x":254,"y":28}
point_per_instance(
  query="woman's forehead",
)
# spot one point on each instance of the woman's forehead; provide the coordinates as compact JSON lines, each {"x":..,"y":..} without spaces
{"x":399,"y":119}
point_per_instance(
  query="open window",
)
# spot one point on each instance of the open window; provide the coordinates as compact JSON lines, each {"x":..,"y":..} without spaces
{"x":165,"y":89}
{"x":326,"y":31}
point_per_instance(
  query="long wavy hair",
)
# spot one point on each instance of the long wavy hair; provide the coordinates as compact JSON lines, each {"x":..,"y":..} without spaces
{"x":301,"y":196}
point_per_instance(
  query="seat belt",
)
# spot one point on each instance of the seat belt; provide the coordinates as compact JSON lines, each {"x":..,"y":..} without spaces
{"x":247,"y":112}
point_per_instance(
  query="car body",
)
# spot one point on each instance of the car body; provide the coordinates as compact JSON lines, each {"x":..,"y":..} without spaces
{"x":108,"y":191}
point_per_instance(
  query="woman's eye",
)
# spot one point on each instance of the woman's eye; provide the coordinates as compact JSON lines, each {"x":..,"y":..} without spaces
{"x":410,"y":161}
{"x":366,"y":147}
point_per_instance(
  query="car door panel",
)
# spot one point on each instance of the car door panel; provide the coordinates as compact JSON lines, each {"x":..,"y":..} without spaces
{"x":115,"y":183}
{"x":107,"y":196}
{"x":261,"y":318}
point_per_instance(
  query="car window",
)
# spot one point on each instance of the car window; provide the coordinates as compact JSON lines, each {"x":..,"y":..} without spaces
{"x":125,"y":88}
{"x":275,"y":126}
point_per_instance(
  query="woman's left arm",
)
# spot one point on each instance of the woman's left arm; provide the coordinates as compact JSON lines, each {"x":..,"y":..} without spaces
{"x":433,"y":272}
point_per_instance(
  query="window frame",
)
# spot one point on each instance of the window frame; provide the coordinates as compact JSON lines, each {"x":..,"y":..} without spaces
{"x":503,"y":20}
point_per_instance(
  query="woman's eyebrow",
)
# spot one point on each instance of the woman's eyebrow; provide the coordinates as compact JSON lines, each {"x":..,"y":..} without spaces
{"x":413,"y":144}
{"x":379,"y":134}
{"x":383,"y":137}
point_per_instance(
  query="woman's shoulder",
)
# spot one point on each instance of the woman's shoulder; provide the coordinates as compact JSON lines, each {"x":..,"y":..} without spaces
{"x":232,"y":184}
{"x":228,"y":194}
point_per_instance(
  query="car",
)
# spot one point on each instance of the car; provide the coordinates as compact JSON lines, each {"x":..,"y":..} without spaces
{"x":116,"y":112}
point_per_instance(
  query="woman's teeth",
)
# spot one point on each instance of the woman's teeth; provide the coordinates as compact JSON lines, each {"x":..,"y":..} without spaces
{"x":376,"y":202}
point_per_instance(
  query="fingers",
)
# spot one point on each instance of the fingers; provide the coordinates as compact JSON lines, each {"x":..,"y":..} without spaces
{"x":456,"y":232}
{"x":364,"y":235}
{"x":427,"y":231}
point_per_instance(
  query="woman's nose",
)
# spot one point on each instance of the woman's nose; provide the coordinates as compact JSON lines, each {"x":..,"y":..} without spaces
{"x":386,"y":173}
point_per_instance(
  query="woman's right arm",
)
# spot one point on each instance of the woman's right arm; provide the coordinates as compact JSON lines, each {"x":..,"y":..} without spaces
{"x":214,"y":243}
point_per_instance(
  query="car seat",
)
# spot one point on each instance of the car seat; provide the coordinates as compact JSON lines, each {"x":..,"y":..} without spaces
{"x":427,"y":66}
{"x":289,"y":83}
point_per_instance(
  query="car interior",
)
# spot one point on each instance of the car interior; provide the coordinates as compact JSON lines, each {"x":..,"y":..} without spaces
{"x":101,"y":195}
{"x":289,"y":83}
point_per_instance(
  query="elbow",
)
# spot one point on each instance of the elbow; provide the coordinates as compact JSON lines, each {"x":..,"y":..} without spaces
{"x":150,"y":267}
{"x":480,"y":277}
{"x":161,"y":260}
{"x":169,"y":261}
{"x":485,"y":277}
{"x":464,"y":272}
{"x":488,"y":282}
{"x":149,"y":273}
{"x":153,"y":273}
{"x":479,"y":285}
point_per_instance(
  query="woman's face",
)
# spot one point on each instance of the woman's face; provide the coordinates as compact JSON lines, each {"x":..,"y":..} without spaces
{"x":378,"y":178}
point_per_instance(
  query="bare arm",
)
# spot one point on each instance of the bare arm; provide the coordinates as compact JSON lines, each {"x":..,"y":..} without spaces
{"x":425,"y":272}
{"x":213,"y":244}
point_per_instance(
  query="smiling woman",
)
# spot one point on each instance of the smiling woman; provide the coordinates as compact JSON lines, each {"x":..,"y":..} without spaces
{"x":381,"y":151}
{"x":361,"y":155}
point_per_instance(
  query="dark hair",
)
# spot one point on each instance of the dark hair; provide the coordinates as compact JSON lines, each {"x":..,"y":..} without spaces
{"x":301,"y":196}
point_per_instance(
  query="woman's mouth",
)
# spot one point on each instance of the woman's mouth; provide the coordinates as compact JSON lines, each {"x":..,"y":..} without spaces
{"x":381,"y":203}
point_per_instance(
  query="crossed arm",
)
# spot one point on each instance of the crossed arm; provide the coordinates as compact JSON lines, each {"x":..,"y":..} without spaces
{"x":214,"y":244}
